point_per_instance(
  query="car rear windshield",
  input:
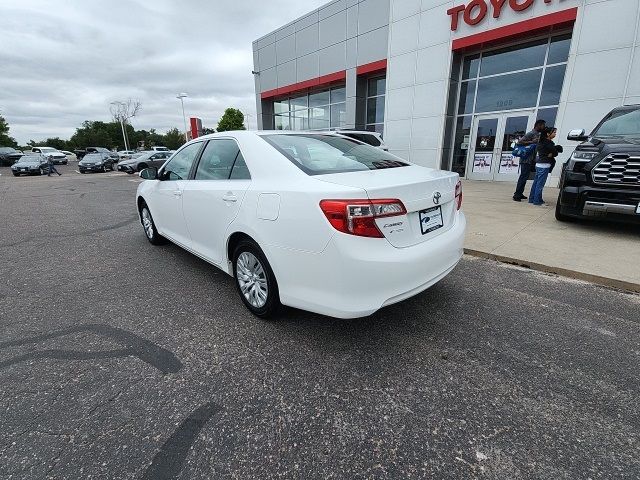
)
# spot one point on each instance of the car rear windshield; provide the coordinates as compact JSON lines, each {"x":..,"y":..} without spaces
{"x":620,"y":123}
{"x":318,"y":154}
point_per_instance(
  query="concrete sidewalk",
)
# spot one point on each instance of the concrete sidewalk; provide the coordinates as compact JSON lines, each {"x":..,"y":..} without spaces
{"x":520,"y":233}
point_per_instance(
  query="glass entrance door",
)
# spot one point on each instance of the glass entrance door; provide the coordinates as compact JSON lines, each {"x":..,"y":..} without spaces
{"x":492,"y":139}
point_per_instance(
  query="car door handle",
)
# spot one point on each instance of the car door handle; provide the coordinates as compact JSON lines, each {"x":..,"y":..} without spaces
{"x":177,"y":193}
{"x":230,"y":197}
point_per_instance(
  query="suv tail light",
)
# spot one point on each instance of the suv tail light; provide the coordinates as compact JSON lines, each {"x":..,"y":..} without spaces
{"x":458,"y":195}
{"x":357,"y":217}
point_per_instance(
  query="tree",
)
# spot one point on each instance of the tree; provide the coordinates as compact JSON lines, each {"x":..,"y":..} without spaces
{"x":5,"y":139}
{"x":207,"y":131}
{"x":232,"y":119}
{"x":173,"y":139}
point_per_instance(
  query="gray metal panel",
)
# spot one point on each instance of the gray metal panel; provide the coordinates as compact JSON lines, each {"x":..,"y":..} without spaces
{"x":333,"y":58}
{"x":307,"y":67}
{"x":333,"y":29}
{"x":286,"y":73}
{"x":266,"y":40}
{"x":350,"y":3}
{"x":332,"y":8}
{"x":256,"y":60}
{"x":285,"y":31}
{"x":267,"y":57}
{"x":372,"y":14}
{"x":285,"y":49}
{"x":268,"y":79}
{"x":352,"y":21}
{"x":307,"y":40}
{"x":372,"y":46}
{"x":352,"y":52}
{"x":351,"y":82}
{"x":307,"y":21}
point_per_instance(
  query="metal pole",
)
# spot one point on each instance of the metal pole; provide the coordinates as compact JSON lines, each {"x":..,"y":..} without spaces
{"x":184,"y":119}
{"x":124,"y":138}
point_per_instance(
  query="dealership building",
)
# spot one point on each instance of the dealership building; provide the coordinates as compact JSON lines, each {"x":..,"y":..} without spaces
{"x":451,"y":85}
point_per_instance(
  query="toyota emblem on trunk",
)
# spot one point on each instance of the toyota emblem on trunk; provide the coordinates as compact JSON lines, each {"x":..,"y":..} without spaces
{"x":436,"y":197}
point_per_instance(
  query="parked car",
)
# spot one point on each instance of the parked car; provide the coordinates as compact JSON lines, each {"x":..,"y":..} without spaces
{"x":371,"y":138}
{"x":81,"y":153}
{"x":312,"y":220}
{"x":67,"y":153}
{"x":59,"y":158}
{"x":125,"y":154}
{"x":601,"y":179}
{"x":8,"y":156}
{"x":96,"y":162}
{"x":147,"y":159}
{"x":160,"y":149}
{"x":30,"y":164}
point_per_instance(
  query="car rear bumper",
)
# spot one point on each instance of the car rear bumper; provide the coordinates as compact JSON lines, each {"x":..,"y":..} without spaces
{"x":596,"y":202}
{"x":354,"y":276}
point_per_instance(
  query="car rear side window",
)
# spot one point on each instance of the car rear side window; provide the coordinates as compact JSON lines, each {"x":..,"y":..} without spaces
{"x":218,"y":159}
{"x":319,"y":154}
{"x":179,"y":166}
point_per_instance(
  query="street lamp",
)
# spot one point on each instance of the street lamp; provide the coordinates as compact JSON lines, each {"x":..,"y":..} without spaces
{"x":124,"y":137}
{"x":182,"y":96}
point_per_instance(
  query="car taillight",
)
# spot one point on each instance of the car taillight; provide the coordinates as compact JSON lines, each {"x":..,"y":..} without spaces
{"x":458,"y":195}
{"x":357,"y":217}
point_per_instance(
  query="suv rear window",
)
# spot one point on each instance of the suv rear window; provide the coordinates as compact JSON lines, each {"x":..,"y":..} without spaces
{"x":318,"y":154}
{"x":363,"y":137}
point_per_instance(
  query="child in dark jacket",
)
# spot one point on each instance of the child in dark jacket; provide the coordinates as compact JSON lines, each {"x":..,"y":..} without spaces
{"x":546,"y":154}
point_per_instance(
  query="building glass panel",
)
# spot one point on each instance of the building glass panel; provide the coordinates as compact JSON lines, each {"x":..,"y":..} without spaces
{"x":320,"y":110}
{"x":376,"y":91}
{"x":528,"y":75}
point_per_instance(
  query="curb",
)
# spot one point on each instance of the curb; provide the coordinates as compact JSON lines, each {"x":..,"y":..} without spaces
{"x":564,"y":272}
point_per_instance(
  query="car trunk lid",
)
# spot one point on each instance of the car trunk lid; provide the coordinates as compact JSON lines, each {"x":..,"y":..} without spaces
{"x":428,"y":195}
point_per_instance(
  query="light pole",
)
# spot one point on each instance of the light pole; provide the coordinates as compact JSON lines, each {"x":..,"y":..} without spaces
{"x":182,"y":96}
{"x":124,"y":137}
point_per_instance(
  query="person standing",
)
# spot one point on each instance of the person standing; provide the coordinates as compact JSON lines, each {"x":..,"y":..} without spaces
{"x":527,"y":163}
{"x":547,"y":151}
{"x":52,"y":167}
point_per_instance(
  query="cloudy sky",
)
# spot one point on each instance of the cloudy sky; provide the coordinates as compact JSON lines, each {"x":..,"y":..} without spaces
{"x":64,"y":61}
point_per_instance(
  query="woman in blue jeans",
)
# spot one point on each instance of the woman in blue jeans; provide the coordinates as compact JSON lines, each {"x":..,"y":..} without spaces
{"x":546,"y":154}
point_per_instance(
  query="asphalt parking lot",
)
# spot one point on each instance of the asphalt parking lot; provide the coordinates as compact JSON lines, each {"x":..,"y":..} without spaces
{"x":123,"y":360}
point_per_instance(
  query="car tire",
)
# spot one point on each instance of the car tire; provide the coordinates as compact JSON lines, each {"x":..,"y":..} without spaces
{"x":561,"y":217}
{"x":248,"y":259}
{"x":15,"y":174}
{"x":104,"y":168}
{"x":149,"y":226}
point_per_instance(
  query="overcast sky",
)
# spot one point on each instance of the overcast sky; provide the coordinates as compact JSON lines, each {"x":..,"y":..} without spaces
{"x":63,"y":62}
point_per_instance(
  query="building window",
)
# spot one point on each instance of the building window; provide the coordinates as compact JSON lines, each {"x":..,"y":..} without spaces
{"x":376,"y":90}
{"x":322,"y":110}
{"x":524,"y":76}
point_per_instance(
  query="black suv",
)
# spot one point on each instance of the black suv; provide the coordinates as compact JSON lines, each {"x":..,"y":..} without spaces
{"x":601,"y":179}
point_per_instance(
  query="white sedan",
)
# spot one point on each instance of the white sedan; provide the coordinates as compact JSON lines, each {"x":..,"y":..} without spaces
{"x":316,"y":221}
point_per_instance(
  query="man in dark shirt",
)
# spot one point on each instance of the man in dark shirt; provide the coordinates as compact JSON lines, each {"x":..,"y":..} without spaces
{"x":52,"y":167}
{"x":527,"y":163}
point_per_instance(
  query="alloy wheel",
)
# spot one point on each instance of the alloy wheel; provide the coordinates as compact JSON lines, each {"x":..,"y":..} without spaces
{"x":147,"y":223}
{"x":252,"y":279}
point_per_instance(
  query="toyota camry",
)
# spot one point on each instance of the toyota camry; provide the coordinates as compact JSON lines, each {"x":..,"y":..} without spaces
{"x":311,"y":220}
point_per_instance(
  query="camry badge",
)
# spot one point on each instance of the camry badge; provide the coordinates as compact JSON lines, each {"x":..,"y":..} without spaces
{"x":436,"y":198}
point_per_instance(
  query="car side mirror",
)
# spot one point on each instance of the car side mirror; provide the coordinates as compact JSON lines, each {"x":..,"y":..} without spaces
{"x":150,"y":173}
{"x":577,"y":135}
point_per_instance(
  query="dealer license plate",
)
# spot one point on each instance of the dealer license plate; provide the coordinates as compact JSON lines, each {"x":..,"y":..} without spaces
{"x":431,"y":219}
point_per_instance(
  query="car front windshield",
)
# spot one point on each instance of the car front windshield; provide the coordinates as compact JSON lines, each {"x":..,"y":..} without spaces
{"x":93,"y":157}
{"x":319,"y":154}
{"x":6,"y":150}
{"x":621,"y":123}
{"x":30,"y":158}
